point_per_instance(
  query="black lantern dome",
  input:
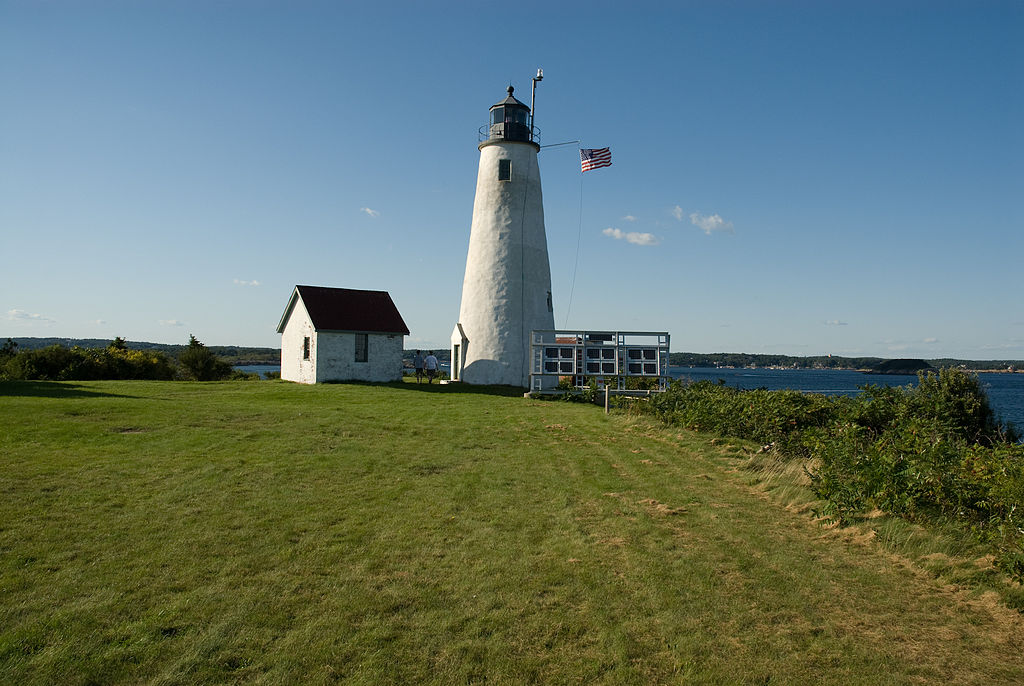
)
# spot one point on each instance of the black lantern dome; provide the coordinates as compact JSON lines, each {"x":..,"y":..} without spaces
{"x":510,"y":120}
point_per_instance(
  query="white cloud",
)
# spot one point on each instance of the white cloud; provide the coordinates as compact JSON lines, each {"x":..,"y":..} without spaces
{"x":242,"y":282}
{"x":1013,"y":345}
{"x":710,"y":223}
{"x":634,"y":237}
{"x":629,"y":218}
{"x":171,"y":322}
{"x":27,"y":316}
{"x":677,"y":212}
{"x":372,"y":213}
{"x":101,"y":322}
{"x":930,"y":340}
{"x":835,"y":322}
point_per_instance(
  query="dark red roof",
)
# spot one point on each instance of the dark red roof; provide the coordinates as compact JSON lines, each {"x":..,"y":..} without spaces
{"x":347,"y":309}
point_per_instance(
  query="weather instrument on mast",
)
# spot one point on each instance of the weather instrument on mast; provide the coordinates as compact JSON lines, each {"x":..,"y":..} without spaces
{"x":533,"y":99}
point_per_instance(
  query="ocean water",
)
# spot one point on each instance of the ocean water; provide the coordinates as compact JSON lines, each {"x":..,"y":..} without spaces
{"x":261,"y":369}
{"x":1005,"y":391}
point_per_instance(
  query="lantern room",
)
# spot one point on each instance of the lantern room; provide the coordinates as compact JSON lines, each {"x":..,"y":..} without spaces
{"x":510,"y":120}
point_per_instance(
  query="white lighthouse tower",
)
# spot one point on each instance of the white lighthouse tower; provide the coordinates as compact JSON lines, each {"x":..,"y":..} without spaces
{"x":506,"y":292}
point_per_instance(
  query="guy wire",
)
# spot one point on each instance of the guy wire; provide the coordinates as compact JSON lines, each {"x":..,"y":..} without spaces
{"x":576,"y":262}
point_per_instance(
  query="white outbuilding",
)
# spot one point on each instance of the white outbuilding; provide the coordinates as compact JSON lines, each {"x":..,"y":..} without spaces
{"x":341,"y":334}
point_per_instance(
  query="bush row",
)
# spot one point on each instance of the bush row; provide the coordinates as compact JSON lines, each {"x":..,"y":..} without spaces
{"x":934,"y":450}
{"x":57,"y":363}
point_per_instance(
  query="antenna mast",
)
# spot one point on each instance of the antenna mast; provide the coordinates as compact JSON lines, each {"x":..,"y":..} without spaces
{"x":533,"y":98}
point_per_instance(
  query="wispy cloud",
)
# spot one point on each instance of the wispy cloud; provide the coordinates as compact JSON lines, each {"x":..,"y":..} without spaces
{"x":24,"y":316}
{"x":372,"y":213}
{"x":243,"y":282}
{"x":171,"y":322}
{"x":678,"y":213}
{"x":1012,"y":345}
{"x":634,"y":237}
{"x":629,"y":218}
{"x":835,"y":322}
{"x":100,"y":322}
{"x":710,"y":223}
{"x":930,"y":340}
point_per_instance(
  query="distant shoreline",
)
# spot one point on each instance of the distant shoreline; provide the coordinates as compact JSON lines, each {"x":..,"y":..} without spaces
{"x":863,"y":370}
{"x":245,"y":355}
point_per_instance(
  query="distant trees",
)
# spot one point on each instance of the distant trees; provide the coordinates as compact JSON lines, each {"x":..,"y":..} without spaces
{"x":57,"y":363}
{"x":201,"y":364}
{"x":9,"y":350}
{"x":116,"y":361}
{"x":765,"y":360}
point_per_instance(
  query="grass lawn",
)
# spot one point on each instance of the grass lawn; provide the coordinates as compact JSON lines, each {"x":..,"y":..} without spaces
{"x":163,"y":532}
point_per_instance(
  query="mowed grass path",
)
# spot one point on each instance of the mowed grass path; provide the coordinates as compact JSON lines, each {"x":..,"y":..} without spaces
{"x":268,"y":532}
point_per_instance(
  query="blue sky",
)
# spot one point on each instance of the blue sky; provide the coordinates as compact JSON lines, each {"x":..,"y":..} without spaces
{"x":788,"y":177}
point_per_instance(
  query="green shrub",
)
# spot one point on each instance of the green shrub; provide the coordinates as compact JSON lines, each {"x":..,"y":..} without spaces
{"x":57,"y":363}
{"x":7,"y":351}
{"x":200,"y":364}
{"x":767,"y":417}
{"x":934,"y":450}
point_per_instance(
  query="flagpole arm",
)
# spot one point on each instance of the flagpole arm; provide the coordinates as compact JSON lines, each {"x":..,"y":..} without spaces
{"x":533,"y":98}
{"x":555,"y":145}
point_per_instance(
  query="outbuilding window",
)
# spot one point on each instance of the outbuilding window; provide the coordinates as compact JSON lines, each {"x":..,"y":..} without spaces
{"x":362,"y":347}
{"x":504,"y":170}
{"x":305,"y":348}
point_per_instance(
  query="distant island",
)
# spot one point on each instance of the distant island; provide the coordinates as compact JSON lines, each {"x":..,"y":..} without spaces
{"x":740,"y":360}
{"x":900,"y":367}
{"x":243,"y":355}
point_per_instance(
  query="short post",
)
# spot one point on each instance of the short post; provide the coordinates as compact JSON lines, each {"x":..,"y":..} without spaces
{"x":607,"y":393}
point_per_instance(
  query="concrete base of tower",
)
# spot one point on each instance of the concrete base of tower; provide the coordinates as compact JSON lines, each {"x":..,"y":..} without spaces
{"x":493,"y":373}
{"x":485,"y":367}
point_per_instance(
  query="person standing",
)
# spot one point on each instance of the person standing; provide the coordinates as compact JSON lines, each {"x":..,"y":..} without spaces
{"x":417,"y":363}
{"x":431,"y":366}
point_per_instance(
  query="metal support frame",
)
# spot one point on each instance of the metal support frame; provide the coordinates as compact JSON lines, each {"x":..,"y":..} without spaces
{"x":606,"y":358}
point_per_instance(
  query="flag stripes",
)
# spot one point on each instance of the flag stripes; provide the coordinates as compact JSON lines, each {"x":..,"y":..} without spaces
{"x":595,"y":158}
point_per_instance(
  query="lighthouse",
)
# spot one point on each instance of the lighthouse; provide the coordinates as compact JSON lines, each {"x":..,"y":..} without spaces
{"x":506,"y":292}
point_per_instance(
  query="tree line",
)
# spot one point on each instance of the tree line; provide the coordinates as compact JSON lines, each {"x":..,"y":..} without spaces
{"x":820,"y":361}
{"x":56,"y":362}
{"x":233,"y":354}
{"x":237,"y":355}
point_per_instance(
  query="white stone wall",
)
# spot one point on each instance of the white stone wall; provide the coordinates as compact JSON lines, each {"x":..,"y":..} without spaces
{"x":298,"y":326}
{"x":507,"y":286}
{"x":336,"y":354}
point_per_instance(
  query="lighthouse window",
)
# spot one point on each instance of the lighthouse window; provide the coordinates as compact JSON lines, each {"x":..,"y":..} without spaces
{"x":498,"y":115}
{"x":504,"y":170}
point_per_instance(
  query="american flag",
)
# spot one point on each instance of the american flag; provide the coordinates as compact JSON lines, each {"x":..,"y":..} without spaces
{"x":595,"y":158}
